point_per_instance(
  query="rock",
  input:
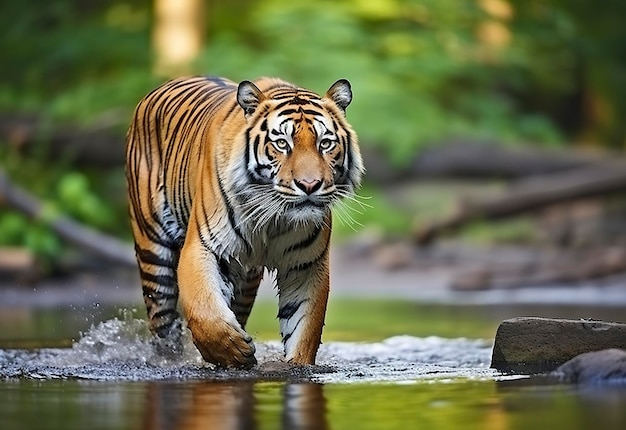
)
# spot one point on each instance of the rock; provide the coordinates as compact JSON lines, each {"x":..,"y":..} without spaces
{"x":598,"y":367}
{"x":529,"y":345}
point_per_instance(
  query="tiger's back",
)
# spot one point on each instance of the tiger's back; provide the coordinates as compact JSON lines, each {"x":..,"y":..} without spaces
{"x":226,"y":179}
{"x":165,"y":138}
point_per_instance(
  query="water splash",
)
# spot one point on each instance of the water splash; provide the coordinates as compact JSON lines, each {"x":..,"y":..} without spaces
{"x":121,"y":349}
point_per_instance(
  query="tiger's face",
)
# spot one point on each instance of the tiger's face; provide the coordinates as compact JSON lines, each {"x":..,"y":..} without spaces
{"x":302,"y":155}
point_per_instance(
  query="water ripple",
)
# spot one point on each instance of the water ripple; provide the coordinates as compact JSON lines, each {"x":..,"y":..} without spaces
{"x":120,"y":350}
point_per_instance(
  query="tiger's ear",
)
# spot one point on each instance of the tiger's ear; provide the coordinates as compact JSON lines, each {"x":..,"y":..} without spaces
{"x":249,"y":96}
{"x":341,"y":93}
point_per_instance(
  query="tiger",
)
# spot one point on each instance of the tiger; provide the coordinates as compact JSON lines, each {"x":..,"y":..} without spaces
{"x":227,"y":182}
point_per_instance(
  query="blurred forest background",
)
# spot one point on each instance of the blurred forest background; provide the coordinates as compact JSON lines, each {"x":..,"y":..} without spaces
{"x":454,"y":100}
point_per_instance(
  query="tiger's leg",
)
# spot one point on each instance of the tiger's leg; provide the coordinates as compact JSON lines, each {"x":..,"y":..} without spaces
{"x":245,"y":294}
{"x":303,"y":295}
{"x":160,"y":293}
{"x":205,"y":297}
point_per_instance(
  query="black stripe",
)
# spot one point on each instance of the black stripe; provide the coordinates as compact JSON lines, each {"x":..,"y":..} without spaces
{"x":348,"y":149}
{"x":203,"y":240}
{"x":288,"y":335}
{"x":247,"y":156}
{"x":259,"y":169}
{"x":268,"y":155}
{"x":231,"y":214}
{"x":297,"y":100}
{"x":224,"y":267}
{"x":301,"y":267}
{"x":156,"y":237}
{"x":283,"y":104}
{"x":232,"y":109}
{"x":285,"y":93}
{"x":220,"y":82}
{"x":157,"y":295}
{"x":164,"y":280}
{"x":289,"y":309}
{"x":257,"y":142}
{"x":149,"y":257}
{"x":305,"y":243}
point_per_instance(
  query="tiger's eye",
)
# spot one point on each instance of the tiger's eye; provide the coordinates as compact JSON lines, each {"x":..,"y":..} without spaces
{"x":281,"y":144}
{"x":326,"y":144}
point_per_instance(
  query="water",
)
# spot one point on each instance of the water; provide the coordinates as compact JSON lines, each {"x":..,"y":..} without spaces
{"x":119,"y":349}
{"x":111,"y":378}
{"x":63,"y":404}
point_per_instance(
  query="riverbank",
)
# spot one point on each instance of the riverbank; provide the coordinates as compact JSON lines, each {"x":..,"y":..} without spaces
{"x":355,"y":273}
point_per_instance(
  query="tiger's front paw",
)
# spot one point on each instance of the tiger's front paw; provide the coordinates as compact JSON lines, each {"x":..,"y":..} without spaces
{"x":222,"y":343}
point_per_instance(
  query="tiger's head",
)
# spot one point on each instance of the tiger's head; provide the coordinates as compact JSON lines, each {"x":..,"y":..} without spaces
{"x":301,"y":153}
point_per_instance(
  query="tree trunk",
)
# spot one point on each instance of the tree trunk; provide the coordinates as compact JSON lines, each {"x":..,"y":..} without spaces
{"x":178,"y":35}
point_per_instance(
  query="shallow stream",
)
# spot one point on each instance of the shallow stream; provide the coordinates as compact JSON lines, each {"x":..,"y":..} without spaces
{"x":109,"y":377}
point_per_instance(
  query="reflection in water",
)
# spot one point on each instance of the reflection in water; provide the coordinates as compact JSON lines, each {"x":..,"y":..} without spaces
{"x":179,"y":404}
{"x":541,"y":402}
{"x":304,"y":407}
{"x":231,"y":406}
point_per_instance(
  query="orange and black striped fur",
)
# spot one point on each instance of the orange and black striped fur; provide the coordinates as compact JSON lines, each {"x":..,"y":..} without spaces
{"x":226,"y":180}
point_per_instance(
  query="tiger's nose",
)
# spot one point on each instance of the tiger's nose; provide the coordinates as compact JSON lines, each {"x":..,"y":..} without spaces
{"x":309,"y":186}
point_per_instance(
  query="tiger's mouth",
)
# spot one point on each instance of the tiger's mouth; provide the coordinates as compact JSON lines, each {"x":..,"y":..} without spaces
{"x":309,"y":203}
{"x":321,"y":200}
{"x":308,"y":209}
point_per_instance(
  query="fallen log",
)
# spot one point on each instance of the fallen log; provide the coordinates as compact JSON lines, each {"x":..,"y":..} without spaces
{"x":102,"y":145}
{"x":531,"y":194}
{"x":566,"y":268}
{"x":110,"y":248}
{"x":477,"y":159}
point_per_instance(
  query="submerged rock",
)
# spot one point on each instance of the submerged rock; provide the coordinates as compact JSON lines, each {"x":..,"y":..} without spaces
{"x":534,"y":345}
{"x":598,"y":367}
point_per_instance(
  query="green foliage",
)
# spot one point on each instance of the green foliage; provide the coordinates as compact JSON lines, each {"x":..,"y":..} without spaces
{"x":17,"y":230}
{"x":421,"y":71}
{"x":54,"y":45}
{"x":75,"y":196}
{"x":63,"y":192}
{"x":418,"y":71}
